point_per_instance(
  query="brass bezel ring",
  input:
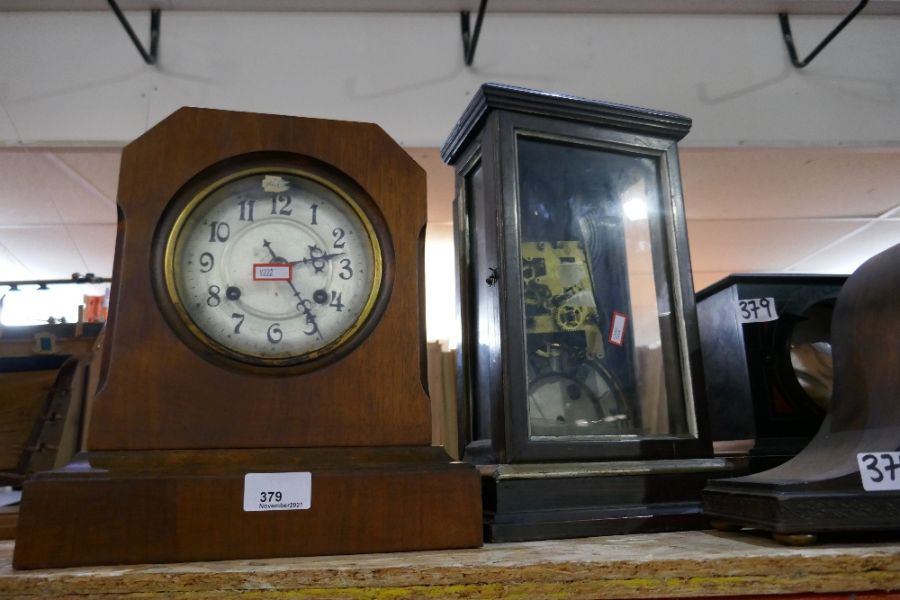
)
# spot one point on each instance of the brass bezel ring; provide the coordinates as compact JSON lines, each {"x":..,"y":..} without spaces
{"x":171,"y":254}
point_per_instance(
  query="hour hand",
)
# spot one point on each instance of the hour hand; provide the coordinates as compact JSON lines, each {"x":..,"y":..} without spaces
{"x":275,"y":257}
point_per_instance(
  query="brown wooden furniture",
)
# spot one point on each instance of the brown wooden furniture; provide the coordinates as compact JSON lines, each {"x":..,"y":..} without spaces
{"x":174,"y":430}
{"x":9,"y":518}
{"x":42,"y":397}
{"x":442,"y":388}
{"x":56,"y":432}
{"x":23,"y":393}
{"x":42,"y":402}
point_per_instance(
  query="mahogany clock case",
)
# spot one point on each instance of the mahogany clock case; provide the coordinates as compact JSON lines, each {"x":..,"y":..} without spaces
{"x":768,"y":381}
{"x":174,"y":430}
{"x":373,"y":396}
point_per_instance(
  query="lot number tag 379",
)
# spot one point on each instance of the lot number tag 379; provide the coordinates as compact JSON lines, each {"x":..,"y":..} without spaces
{"x":277,"y":491}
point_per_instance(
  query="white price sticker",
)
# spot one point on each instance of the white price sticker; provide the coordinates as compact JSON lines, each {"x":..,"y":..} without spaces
{"x":277,"y":491}
{"x":756,"y":310}
{"x":617,"y":329}
{"x":879,"y":470}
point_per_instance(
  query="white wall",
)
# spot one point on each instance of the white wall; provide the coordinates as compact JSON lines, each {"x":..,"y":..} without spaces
{"x":75,"y":78}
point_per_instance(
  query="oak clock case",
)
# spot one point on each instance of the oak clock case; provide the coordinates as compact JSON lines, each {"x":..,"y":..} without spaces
{"x":579,"y":360}
{"x":274,"y":269}
{"x":264,"y":319}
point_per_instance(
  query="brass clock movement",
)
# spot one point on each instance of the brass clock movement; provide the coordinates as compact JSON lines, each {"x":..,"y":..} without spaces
{"x":263,"y":381}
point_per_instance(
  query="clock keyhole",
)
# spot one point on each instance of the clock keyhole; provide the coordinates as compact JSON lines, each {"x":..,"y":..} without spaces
{"x":492,"y":278}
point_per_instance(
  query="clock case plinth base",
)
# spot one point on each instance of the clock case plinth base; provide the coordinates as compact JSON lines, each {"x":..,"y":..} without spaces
{"x":130,"y":507}
{"x":525,"y":502}
{"x":802,"y":508}
{"x":830,"y":506}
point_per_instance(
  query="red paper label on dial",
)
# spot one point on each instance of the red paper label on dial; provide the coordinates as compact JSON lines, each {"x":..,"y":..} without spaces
{"x":271,"y":272}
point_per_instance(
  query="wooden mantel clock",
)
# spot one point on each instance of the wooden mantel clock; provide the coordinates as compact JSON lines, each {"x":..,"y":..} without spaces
{"x":263,"y":380}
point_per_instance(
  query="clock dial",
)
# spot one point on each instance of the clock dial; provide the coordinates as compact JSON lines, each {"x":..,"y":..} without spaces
{"x":273,"y":266}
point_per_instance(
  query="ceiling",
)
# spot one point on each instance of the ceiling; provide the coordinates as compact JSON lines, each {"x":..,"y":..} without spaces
{"x":748,"y":210}
{"x":875,"y":7}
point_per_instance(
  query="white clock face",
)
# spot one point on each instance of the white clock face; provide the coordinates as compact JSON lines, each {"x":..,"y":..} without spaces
{"x":273,"y":266}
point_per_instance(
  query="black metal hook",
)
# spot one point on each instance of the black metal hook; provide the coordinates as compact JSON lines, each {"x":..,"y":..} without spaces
{"x":149,"y":57}
{"x":470,"y":42}
{"x":789,"y":38}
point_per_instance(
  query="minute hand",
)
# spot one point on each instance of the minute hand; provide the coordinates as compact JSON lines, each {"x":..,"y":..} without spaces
{"x":303,"y":305}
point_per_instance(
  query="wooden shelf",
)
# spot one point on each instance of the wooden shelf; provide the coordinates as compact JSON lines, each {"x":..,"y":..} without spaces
{"x":683,"y":564}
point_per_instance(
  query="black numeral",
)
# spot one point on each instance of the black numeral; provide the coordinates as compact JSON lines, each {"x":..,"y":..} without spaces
{"x":753,"y":308}
{"x":270,"y":496}
{"x":311,"y":321}
{"x":247,"y":209}
{"x":338,"y":234}
{"x":346,"y":270}
{"x":872,"y":465}
{"x":892,"y":465}
{"x":213,"y":298}
{"x":240,"y":318}
{"x":219,"y":232}
{"x":336,"y":301}
{"x":285,"y":209}
{"x":314,"y":208}
{"x":274,"y":333}
{"x":206,"y":262}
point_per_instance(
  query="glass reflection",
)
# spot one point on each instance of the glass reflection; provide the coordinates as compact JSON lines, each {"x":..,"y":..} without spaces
{"x":810,"y":353}
{"x":593,"y":312}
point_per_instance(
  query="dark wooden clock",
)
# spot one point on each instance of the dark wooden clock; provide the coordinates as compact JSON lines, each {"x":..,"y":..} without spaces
{"x":847,"y":479}
{"x":263,"y":385}
{"x":581,"y":394}
{"x":769,"y":372}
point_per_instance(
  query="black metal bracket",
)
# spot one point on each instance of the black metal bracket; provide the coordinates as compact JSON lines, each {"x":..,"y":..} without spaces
{"x":43,"y":283}
{"x":470,"y":41}
{"x":149,"y":57}
{"x":789,"y":38}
